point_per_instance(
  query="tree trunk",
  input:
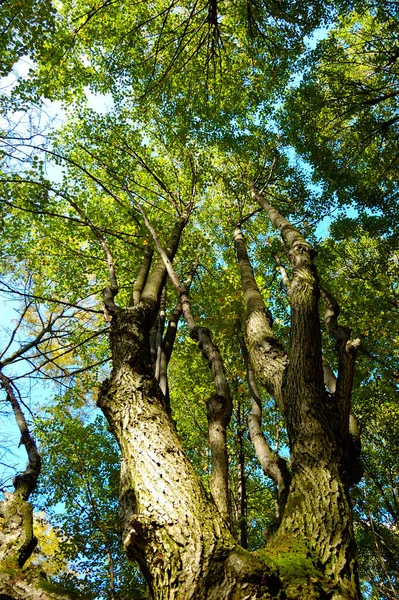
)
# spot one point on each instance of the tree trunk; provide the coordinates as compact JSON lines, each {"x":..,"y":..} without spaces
{"x":317,"y":514}
{"x":179,"y":535}
{"x":169,"y":525}
{"x":173,"y":529}
{"x":316,"y":531}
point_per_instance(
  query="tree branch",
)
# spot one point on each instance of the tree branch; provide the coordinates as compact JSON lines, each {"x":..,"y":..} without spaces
{"x":273,"y":465}
{"x":25,"y":483}
{"x":110,"y":291}
{"x":219,"y":405}
{"x":342,"y":390}
{"x":142,"y":275}
{"x":267,"y":355}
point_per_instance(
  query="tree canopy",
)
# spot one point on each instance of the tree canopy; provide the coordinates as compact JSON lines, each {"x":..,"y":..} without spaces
{"x":202,"y":256}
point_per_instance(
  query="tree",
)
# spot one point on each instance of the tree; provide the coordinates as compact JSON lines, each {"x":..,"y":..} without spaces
{"x":144,"y":187}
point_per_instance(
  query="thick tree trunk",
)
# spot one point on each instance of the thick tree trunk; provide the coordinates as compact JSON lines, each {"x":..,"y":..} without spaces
{"x":169,"y":525}
{"x":316,"y":531}
{"x":317,"y":514}
{"x":173,"y":529}
{"x":179,"y":535}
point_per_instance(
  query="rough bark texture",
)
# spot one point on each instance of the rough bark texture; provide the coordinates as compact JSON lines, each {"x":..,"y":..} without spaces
{"x":177,"y":534}
{"x":317,"y":512}
{"x":169,"y":525}
{"x":23,"y":585}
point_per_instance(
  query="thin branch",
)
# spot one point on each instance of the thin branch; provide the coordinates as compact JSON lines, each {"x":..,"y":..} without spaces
{"x":15,"y":330}
{"x":111,"y":291}
{"x":10,"y":290}
{"x":33,"y":344}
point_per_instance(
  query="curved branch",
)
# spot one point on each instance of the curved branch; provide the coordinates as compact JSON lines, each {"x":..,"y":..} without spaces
{"x":220,"y":404}
{"x":25,"y":483}
{"x":267,"y":354}
{"x":273,"y":465}
{"x":111,"y":291}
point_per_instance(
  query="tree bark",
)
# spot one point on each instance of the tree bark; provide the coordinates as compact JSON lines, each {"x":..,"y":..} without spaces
{"x":177,"y":534}
{"x":169,"y":525}
{"x":317,"y":513}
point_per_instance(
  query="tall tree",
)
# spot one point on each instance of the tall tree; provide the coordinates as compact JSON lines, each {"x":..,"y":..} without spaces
{"x":180,"y":205}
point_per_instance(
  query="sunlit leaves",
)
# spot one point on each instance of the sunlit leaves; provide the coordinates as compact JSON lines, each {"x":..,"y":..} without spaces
{"x":344,"y":114}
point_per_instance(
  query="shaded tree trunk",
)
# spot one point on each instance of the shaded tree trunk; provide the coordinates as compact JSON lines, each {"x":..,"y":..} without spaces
{"x":317,"y":513}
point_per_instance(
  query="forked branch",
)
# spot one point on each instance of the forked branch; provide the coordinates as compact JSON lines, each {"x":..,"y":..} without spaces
{"x":169,"y":340}
{"x":219,"y":405}
{"x":347,"y":351}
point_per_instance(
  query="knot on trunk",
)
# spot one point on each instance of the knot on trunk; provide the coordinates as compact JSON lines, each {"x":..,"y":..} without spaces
{"x":216,"y":408}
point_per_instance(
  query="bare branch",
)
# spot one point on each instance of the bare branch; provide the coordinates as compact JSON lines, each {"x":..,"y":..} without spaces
{"x":21,"y":318}
{"x":9,"y":290}
{"x":33,"y":344}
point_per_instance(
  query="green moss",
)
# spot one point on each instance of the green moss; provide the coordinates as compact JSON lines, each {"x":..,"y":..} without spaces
{"x":296,"y":567}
